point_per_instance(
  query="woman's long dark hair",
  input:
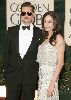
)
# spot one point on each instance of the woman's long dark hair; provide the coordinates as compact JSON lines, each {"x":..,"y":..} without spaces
{"x":56,"y":29}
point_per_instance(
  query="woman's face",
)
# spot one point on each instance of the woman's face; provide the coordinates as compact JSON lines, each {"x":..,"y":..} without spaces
{"x":48,"y":24}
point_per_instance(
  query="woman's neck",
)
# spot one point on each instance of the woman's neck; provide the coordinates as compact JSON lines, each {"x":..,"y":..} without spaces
{"x":49,"y":35}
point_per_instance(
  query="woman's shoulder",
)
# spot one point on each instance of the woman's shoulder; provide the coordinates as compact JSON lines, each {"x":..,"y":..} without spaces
{"x":60,"y":40}
{"x":59,"y":37}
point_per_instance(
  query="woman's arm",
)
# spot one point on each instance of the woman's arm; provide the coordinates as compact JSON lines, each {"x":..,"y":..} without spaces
{"x":60,"y":62}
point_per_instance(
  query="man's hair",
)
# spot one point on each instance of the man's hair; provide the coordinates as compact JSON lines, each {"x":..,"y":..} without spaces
{"x":28,"y":4}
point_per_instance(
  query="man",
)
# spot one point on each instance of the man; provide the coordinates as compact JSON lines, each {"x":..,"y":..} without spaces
{"x":21,"y":68}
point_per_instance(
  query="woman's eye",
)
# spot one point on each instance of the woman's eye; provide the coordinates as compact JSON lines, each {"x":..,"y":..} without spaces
{"x":50,"y":22}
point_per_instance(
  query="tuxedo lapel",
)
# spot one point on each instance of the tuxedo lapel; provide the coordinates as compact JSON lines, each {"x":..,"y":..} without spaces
{"x":16,"y":38}
{"x":32,"y":42}
{"x":33,"y":39}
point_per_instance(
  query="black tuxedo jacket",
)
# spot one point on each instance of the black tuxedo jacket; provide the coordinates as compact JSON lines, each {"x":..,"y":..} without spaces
{"x":17,"y":69}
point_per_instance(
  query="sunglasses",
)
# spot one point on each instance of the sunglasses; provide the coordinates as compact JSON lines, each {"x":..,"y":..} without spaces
{"x":24,"y":13}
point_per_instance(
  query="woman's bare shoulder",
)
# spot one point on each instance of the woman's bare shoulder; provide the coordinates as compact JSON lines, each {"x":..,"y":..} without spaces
{"x":60,"y":40}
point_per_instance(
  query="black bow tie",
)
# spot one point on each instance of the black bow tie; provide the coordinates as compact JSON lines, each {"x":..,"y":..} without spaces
{"x":24,"y":27}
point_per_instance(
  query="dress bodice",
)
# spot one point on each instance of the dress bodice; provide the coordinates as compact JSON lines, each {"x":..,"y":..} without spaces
{"x":47,"y":55}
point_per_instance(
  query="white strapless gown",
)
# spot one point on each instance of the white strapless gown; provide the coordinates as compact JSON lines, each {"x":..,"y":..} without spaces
{"x":47,"y":58}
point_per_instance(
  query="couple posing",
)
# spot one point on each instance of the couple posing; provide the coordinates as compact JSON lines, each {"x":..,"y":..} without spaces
{"x":30,"y":52}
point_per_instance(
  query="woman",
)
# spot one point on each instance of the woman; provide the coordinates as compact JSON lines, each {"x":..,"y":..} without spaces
{"x":50,"y":57}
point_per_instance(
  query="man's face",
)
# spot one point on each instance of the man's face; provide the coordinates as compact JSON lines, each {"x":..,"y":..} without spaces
{"x":27,"y":15}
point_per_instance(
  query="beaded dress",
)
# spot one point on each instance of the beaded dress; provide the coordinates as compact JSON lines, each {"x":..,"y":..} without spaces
{"x":47,"y":59}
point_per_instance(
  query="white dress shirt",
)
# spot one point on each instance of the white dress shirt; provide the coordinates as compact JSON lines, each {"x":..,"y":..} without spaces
{"x":25,"y":38}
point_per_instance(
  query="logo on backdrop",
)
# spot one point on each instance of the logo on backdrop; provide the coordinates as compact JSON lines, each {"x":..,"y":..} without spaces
{"x":16,"y":15}
{"x":13,"y":10}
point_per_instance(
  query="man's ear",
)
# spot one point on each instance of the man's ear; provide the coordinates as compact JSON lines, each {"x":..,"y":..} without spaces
{"x":33,"y":20}
{"x":34,"y":14}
